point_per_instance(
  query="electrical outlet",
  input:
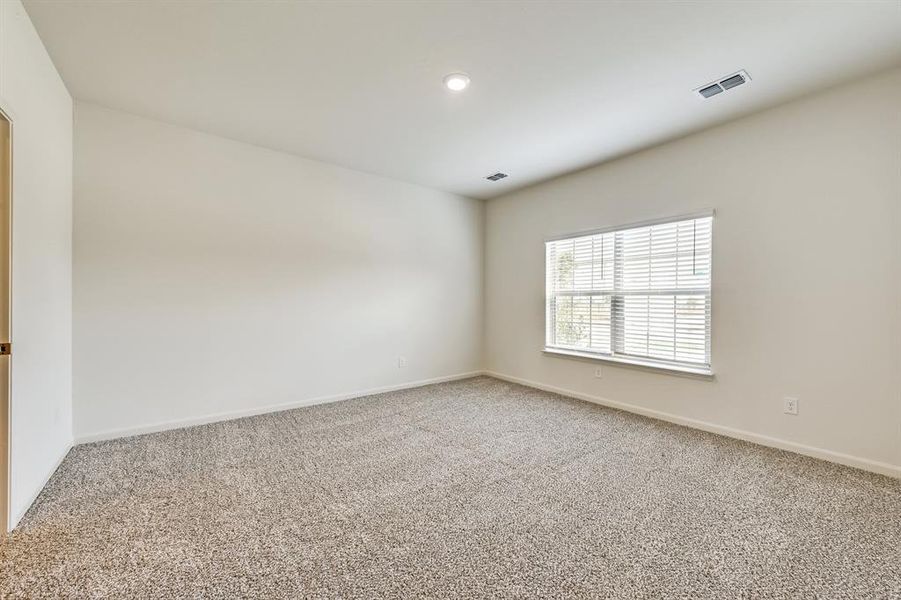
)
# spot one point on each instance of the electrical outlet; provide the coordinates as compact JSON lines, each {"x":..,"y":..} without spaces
{"x":790,"y":406}
{"x":401,"y":362}
{"x":598,"y":373}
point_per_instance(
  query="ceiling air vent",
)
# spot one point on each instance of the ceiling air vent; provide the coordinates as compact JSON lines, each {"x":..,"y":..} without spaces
{"x":710,"y":90}
{"x":496,"y":177}
{"x":731,"y":82}
{"x":724,"y":84}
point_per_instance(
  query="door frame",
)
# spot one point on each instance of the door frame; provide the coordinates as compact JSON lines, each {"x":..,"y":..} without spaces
{"x":6,"y":411}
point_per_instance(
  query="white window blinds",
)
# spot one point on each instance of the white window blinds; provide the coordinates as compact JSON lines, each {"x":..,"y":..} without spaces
{"x":640,"y":293}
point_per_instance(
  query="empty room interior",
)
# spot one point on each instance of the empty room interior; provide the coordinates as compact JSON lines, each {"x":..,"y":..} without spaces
{"x":450,"y":299}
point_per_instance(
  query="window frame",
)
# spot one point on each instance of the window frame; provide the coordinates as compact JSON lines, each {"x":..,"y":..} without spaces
{"x":673,"y":367}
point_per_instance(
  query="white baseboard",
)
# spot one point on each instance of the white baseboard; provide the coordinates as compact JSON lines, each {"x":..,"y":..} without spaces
{"x":763,"y":440}
{"x":238,"y":414}
{"x":748,"y":436}
{"x":15,"y":518}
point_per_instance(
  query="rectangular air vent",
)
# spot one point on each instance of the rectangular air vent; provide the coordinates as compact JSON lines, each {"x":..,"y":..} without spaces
{"x":496,"y":177}
{"x":731,"y":82}
{"x":724,"y":84}
{"x":710,"y":90}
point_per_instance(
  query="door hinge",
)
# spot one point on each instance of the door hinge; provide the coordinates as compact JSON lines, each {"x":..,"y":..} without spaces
{"x":5,"y":348}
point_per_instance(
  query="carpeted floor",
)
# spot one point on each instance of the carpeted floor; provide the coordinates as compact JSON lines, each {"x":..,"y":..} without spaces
{"x":476,"y":488}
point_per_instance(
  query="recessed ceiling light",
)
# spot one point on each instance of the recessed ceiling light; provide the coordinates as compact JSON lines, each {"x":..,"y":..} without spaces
{"x":456,"y":82}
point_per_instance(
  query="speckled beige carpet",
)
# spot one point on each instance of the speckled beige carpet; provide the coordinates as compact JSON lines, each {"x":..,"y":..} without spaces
{"x":477,"y":488}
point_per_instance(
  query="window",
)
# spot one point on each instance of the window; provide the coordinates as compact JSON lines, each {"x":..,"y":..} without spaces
{"x":638,"y":294}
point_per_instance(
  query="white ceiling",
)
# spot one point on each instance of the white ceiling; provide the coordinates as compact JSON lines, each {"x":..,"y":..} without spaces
{"x":556,"y":86}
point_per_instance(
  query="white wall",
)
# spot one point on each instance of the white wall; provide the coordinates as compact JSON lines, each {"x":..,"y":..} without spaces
{"x":806,"y":282}
{"x":41,"y":109}
{"x":214,"y":277}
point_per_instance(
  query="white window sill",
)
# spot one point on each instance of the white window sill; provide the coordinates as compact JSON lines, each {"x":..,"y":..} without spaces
{"x":699,"y":372}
